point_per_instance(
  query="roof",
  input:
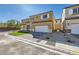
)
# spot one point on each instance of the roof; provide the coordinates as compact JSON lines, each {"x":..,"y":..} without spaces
{"x":41,"y":13}
{"x":58,"y":19}
{"x":71,"y":6}
{"x":25,"y":19}
{"x":36,"y":15}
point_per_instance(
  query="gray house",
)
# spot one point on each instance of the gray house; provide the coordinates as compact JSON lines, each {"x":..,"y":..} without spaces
{"x":70,"y":19}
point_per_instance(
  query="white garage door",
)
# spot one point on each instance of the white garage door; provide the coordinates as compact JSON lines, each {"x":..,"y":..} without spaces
{"x":75,"y":28}
{"x":41,"y":29}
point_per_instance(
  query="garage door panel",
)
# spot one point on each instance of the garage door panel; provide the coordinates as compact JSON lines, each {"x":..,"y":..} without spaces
{"x":41,"y":29}
{"x":75,"y":28}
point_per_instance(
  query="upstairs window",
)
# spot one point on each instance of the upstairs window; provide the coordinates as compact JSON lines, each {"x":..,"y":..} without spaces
{"x":78,"y":10}
{"x":70,"y":11}
{"x":46,"y":16}
{"x":75,"y":11}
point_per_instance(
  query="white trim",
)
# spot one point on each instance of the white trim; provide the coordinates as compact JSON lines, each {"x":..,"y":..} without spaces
{"x":47,"y":15}
{"x":41,"y":16}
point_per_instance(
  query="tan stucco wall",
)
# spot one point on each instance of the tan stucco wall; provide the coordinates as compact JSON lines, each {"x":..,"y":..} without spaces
{"x":50,"y":24}
{"x":32,"y":28}
{"x":36,"y":20}
{"x":58,"y":27}
{"x":38,"y":16}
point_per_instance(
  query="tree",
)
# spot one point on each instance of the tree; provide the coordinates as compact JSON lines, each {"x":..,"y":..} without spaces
{"x":13,"y":24}
{"x":18,"y":25}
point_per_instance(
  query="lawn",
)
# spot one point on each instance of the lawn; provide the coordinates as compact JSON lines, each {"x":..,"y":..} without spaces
{"x":17,"y":33}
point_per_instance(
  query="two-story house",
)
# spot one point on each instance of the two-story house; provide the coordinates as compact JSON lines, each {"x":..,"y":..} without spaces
{"x":58,"y":25}
{"x":43,"y":22}
{"x":70,"y":19}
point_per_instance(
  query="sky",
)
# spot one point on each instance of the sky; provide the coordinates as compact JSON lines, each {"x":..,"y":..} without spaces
{"x":22,"y":11}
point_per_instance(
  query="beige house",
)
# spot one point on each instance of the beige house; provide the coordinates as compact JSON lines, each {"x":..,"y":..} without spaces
{"x":70,"y":19}
{"x":58,"y":25}
{"x":43,"y":22}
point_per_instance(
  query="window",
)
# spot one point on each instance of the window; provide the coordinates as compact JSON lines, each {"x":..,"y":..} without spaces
{"x":75,"y":11}
{"x":78,"y":10}
{"x":68,"y":24}
{"x":70,"y":11}
{"x":44,"y":16}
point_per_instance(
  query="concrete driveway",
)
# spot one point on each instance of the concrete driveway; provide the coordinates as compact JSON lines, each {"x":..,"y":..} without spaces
{"x":8,"y":46}
{"x":67,"y":43}
{"x":52,"y":38}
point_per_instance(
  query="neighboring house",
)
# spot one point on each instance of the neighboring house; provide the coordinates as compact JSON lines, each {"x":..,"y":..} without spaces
{"x":70,"y":19}
{"x":58,"y":25}
{"x":43,"y":22}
